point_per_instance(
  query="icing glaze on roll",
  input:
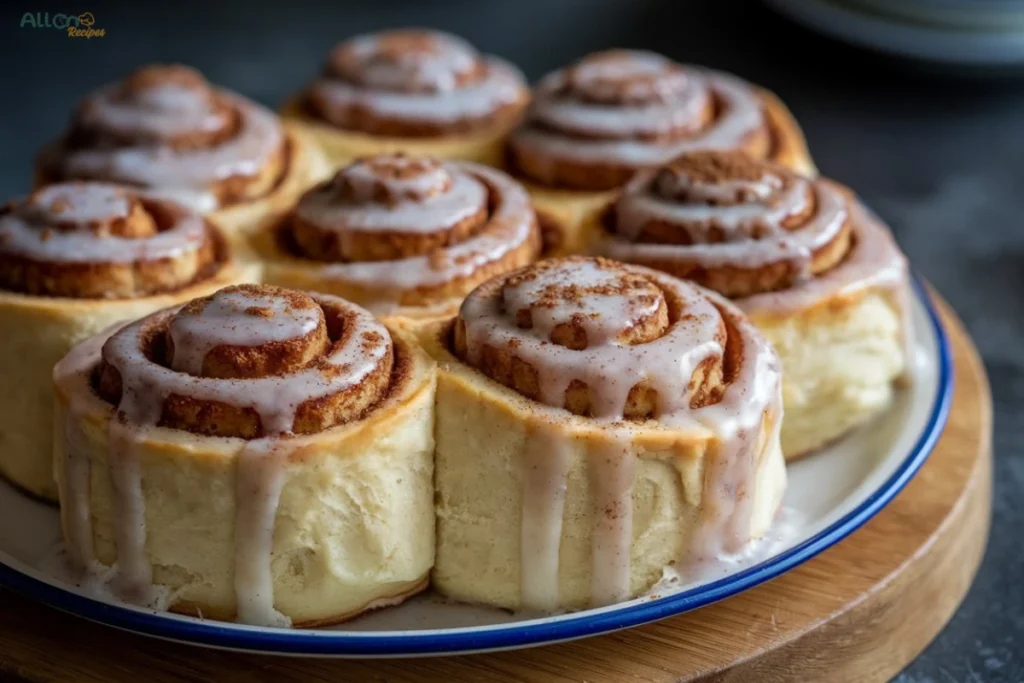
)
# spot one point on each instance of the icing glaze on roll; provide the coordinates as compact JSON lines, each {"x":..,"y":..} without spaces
{"x":622,"y":345}
{"x":414,"y":83}
{"x":730,"y":222}
{"x":249,"y":362}
{"x":166,"y":129}
{"x":774,"y":241}
{"x":391,"y":224}
{"x":96,"y":240}
{"x":594,"y":124}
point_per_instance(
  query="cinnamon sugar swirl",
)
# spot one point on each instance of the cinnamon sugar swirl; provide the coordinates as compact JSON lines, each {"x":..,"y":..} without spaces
{"x":404,"y":236}
{"x":260,"y":454}
{"x":596,"y":423}
{"x":165,"y":129}
{"x":423,"y":92}
{"x":75,"y":258}
{"x":820,"y":276}
{"x":596,"y":124}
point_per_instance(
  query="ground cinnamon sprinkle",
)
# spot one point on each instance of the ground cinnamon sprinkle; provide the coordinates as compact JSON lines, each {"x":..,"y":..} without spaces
{"x":259,"y":312}
{"x":719,"y":166}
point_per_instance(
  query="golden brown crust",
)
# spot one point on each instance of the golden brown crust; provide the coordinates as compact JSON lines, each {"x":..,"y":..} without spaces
{"x":274,"y":358}
{"x":504,"y":364}
{"x":49,"y":215}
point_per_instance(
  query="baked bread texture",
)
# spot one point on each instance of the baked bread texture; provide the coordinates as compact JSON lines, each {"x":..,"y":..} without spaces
{"x":261,"y":455}
{"x":596,"y":424}
{"x":820,"y":277}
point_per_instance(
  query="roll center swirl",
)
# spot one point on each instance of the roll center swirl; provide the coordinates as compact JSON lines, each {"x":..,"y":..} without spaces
{"x":597,"y":338}
{"x":95,"y":240}
{"x":249,"y":361}
{"x":246,"y":331}
{"x":392,"y":178}
{"x":161,"y":104}
{"x":721,"y":179}
{"x":388,"y":207}
{"x":407,"y":61}
{"x":97,"y":209}
{"x":623,"y":77}
{"x":576,"y":306}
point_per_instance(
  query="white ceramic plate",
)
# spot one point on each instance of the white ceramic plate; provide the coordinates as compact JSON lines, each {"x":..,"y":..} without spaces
{"x":830,"y":495}
{"x":971,"y":33}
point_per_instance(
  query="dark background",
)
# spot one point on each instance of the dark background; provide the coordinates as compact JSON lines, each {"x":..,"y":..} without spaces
{"x":940,"y":156}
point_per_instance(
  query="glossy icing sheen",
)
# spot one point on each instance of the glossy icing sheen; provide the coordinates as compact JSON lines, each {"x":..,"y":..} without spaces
{"x":637,"y":108}
{"x":54,"y":226}
{"x":158,"y":112}
{"x":437,"y":196}
{"x":417,"y":76}
{"x":750,"y":233}
{"x":146,"y":385}
{"x":605,"y":300}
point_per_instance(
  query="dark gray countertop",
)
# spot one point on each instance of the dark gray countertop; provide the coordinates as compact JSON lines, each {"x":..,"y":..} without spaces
{"x":942,"y":159}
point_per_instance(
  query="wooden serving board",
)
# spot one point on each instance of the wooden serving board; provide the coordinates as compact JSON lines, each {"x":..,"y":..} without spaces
{"x":860,"y":612}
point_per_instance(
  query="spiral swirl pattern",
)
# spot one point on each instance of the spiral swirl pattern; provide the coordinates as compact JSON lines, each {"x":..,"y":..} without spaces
{"x":602,"y":339}
{"x":249,"y":361}
{"x":595,"y":124}
{"x":395,"y":226}
{"x":414,"y":83}
{"x":167,"y":129}
{"x":95,"y":240}
{"x":738,"y":225}
{"x":629,"y":350}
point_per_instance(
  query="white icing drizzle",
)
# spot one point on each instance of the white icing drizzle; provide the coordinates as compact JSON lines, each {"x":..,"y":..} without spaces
{"x":753,"y":232}
{"x":222,"y":322}
{"x":509,"y":226}
{"x":565,"y":127}
{"x":134,"y":577}
{"x":165,"y":110}
{"x":274,"y":398}
{"x":426,"y":82}
{"x":612,"y":470}
{"x":75,"y":509}
{"x":156,"y":111}
{"x":874,"y":261}
{"x":260,"y":480}
{"x":609,"y":369}
{"x":581,"y":290}
{"x":52,"y":226}
{"x":260,"y":477}
{"x":440,"y":198}
{"x":643,"y":94}
{"x":545,"y":468}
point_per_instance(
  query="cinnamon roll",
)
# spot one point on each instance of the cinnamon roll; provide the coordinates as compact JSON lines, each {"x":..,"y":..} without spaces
{"x":412,"y":90}
{"x":75,"y":258}
{"x":593,"y":125}
{"x":821,"y":277}
{"x":259,"y":454}
{"x":167,"y":130}
{"x":403,"y":236}
{"x":596,"y":423}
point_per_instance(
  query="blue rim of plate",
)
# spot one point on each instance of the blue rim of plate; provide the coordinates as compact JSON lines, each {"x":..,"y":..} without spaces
{"x":521,"y":634}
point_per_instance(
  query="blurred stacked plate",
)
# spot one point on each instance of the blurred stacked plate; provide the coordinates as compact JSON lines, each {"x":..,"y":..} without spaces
{"x":966,"y":32}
